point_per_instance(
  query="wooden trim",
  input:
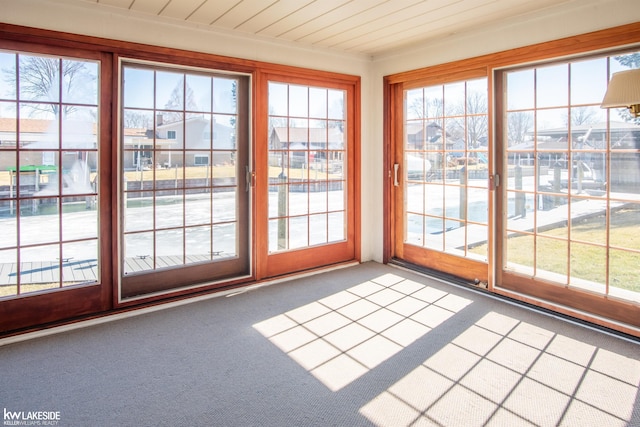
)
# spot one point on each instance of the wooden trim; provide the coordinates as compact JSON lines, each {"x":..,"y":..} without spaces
{"x":114,"y":183}
{"x":108,"y":134}
{"x":47,"y":307}
{"x":447,"y":263}
{"x":497,"y":164}
{"x":188,"y":290}
{"x":440,"y":76}
{"x":565,"y":47}
{"x":306,"y":259}
{"x":388,"y":121}
{"x":568,"y":311}
{"x":356,"y":179}
{"x":260,"y":156}
{"x":592,"y":304}
{"x":397,"y":136}
{"x":166,"y":280}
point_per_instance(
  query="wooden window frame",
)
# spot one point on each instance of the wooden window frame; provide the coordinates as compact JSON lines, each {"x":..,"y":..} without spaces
{"x":48,"y":306}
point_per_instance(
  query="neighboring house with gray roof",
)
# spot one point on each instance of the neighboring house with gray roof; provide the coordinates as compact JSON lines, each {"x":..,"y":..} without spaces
{"x":307,"y":145}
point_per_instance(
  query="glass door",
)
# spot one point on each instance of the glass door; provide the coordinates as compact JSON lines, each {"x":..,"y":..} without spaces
{"x":54,"y":261}
{"x":571,"y":188}
{"x":309,"y":172}
{"x":185,"y":195}
{"x":440,"y":178}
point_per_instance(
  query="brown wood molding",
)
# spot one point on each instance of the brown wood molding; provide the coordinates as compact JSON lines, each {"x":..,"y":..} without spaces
{"x":579,"y":303}
{"x":574,"y":45}
{"x":387,"y":190}
{"x":42,"y":308}
{"x":464,"y":268}
{"x":306,"y":259}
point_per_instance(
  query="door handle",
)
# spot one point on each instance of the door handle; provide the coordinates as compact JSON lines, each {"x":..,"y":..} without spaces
{"x":395,"y":174}
{"x":248,"y":176}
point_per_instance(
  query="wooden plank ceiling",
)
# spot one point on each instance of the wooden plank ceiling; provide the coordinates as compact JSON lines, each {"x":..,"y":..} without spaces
{"x":366,"y":27}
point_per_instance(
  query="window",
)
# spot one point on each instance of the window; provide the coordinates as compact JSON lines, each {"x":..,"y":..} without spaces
{"x":574,"y":177}
{"x":446,"y":163}
{"x":176,"y":207}
{"x":180,"y":209}
{"x":200,"y":160}
{"x":307,"y":168}
{"x":48,"y":173}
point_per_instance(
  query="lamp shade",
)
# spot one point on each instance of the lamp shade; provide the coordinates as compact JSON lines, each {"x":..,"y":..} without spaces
{"x":623,"y":89}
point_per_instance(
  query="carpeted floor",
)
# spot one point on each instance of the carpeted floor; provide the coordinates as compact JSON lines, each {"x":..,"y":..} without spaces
{"x":369,"y":345}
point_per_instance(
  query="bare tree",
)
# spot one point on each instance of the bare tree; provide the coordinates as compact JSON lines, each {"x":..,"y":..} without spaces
{"x":583,"y":116}
{"x":181,"y":97}
{"x":417,"y":107}
{"x":45,"y":79}
{"x":431,"y":108}
{"x":137,"y":120}
{"x":470,"y":117}
{"x":477,"y":119}
{"x":435,"y":108}
{"x":518,"y":124}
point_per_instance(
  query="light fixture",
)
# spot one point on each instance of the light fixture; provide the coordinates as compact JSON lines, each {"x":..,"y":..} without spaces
{"x":624,"y":91}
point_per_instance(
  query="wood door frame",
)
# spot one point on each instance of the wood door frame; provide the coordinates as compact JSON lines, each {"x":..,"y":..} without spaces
{"x":394,"y":195}
{"x":273,"y":265}
{"x":207,"y":275}
{"x":23,"y":311}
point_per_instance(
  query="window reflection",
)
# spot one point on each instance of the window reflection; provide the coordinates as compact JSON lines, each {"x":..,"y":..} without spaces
{"x":48,"y":173}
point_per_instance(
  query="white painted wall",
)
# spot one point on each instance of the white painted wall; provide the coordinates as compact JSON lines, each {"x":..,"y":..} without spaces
{"x":576,"y":17}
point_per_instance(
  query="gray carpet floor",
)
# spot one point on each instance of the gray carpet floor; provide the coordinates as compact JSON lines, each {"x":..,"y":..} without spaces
{"x":368,"y":345}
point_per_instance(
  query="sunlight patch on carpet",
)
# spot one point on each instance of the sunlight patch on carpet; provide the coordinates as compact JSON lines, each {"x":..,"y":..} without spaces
{"x":341,"y":337}
{"x":502,"y":371}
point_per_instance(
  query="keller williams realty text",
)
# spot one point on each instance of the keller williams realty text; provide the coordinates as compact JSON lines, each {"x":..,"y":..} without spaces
{"x":19,"y":418}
